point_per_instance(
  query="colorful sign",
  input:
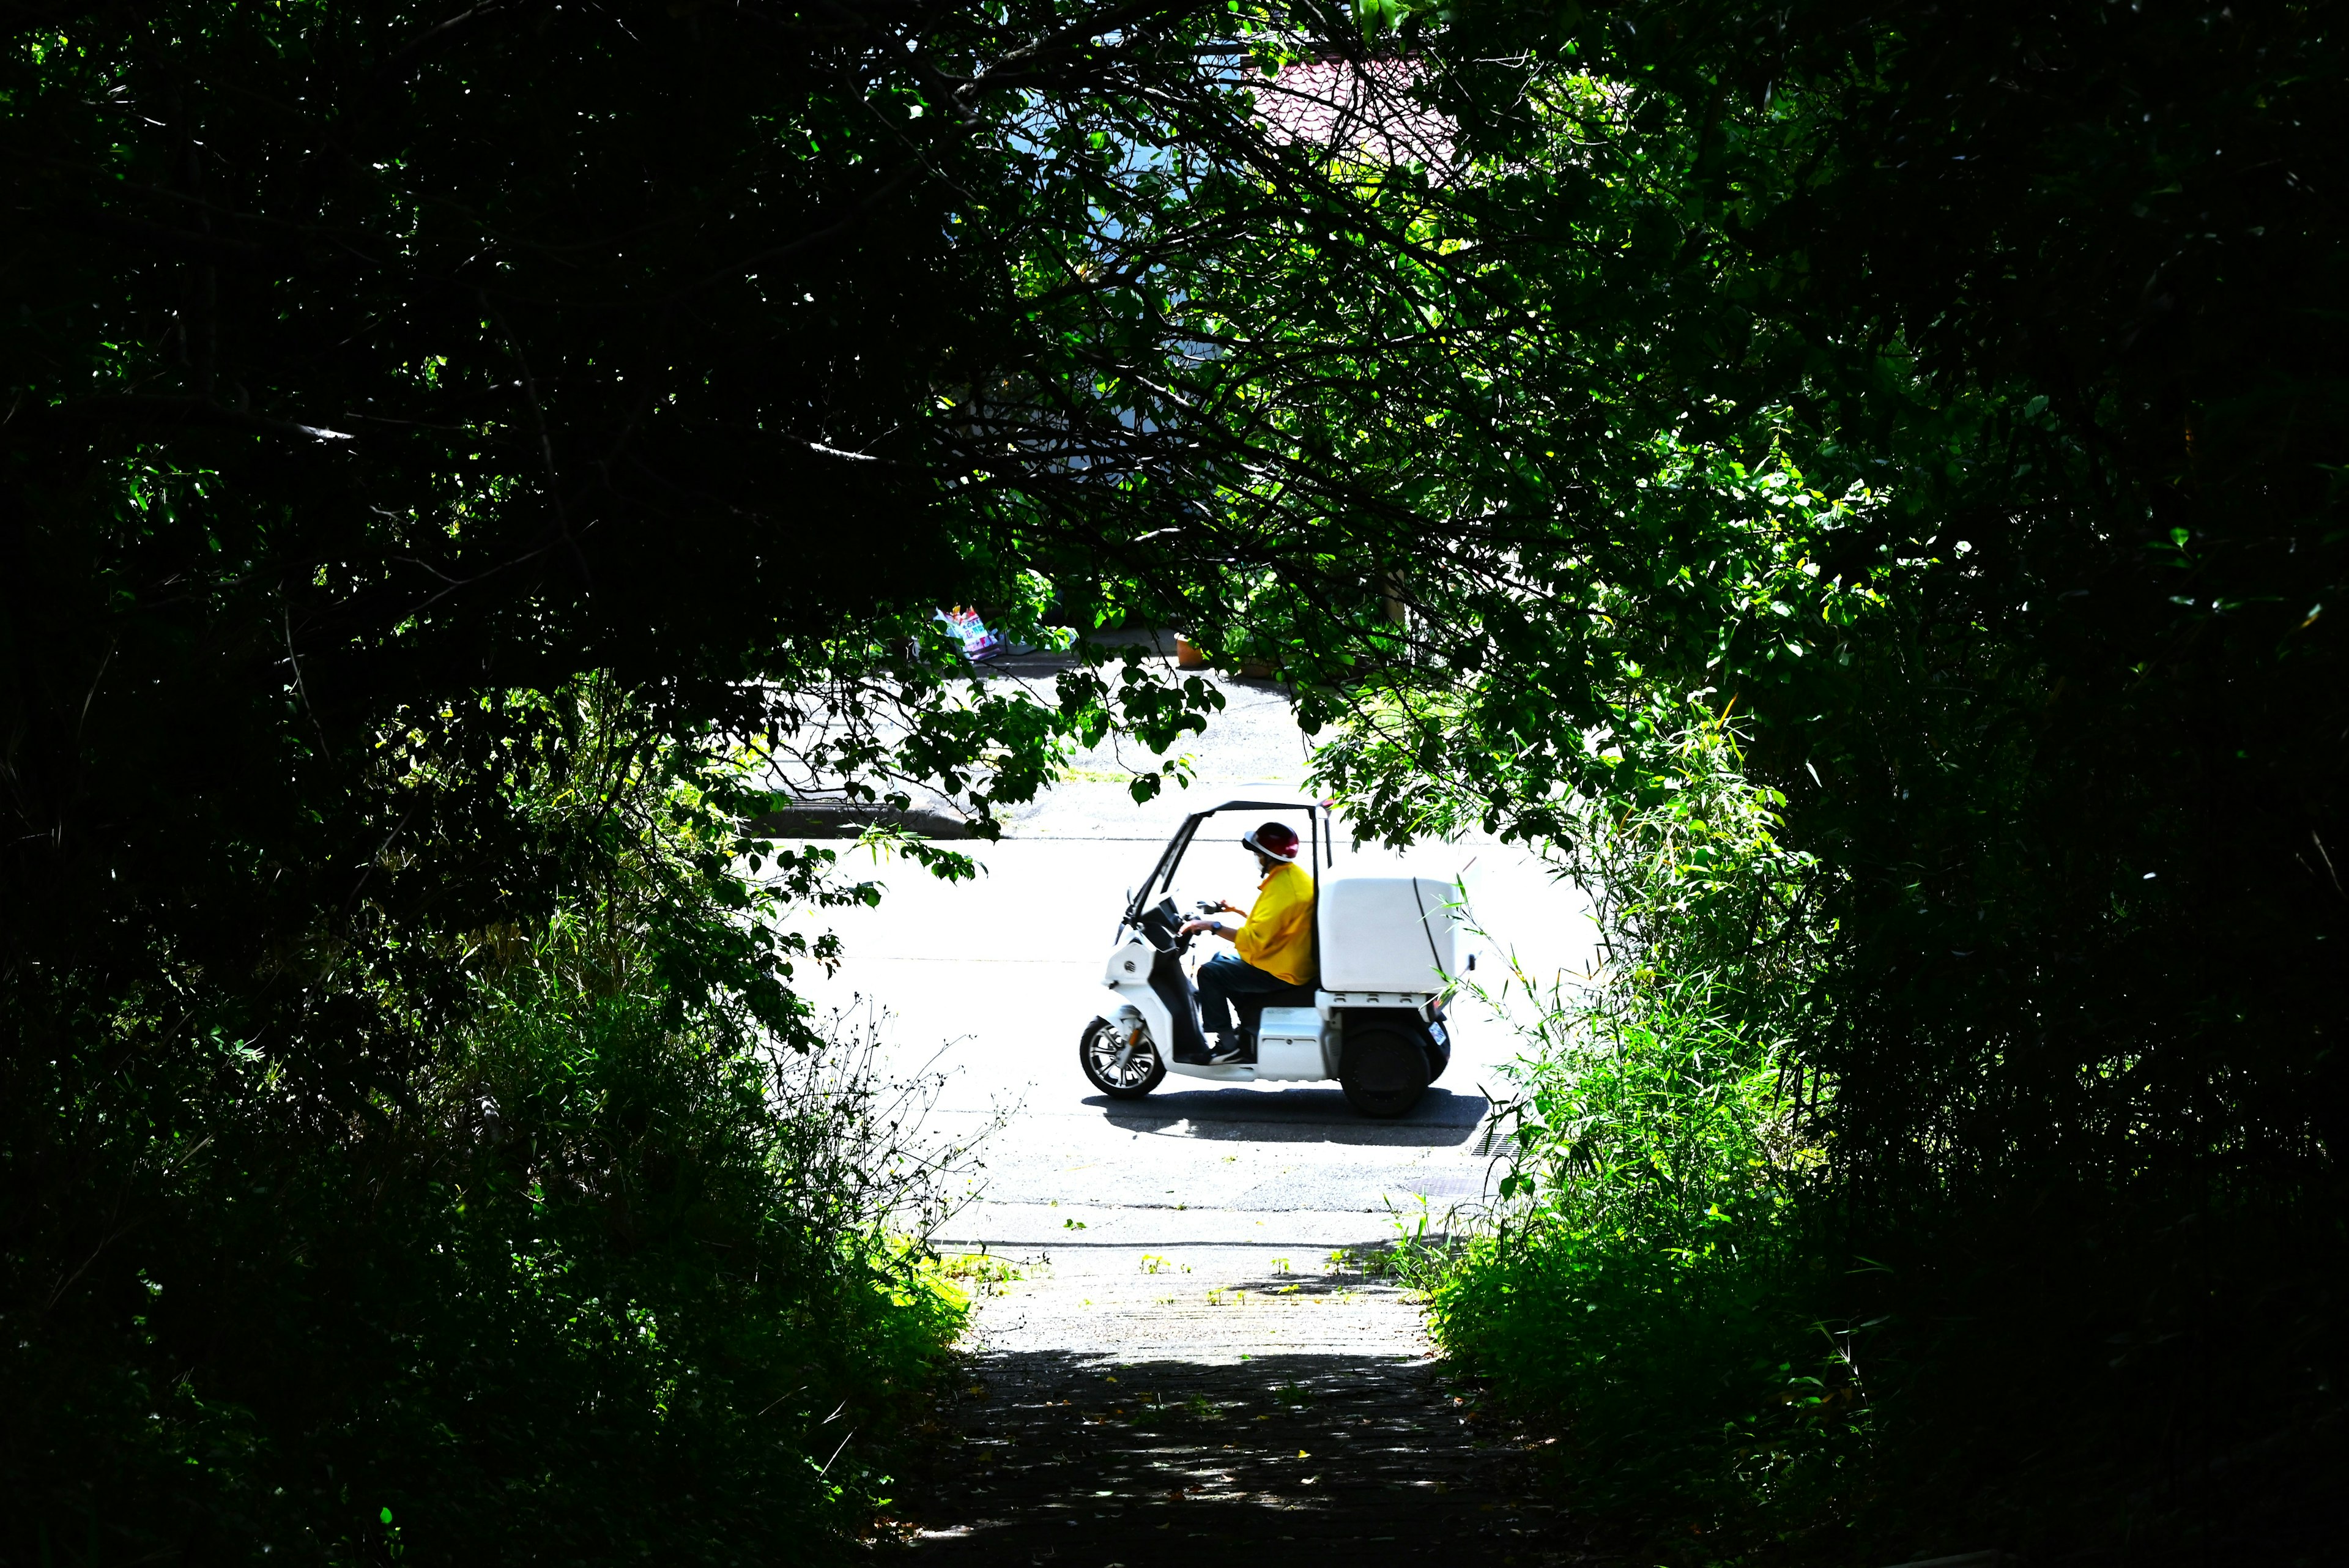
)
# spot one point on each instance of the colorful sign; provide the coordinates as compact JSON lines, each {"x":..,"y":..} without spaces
{"x":977,"y":640}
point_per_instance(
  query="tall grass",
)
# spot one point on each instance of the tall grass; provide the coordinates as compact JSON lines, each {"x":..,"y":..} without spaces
{"x":1644,"y":1284}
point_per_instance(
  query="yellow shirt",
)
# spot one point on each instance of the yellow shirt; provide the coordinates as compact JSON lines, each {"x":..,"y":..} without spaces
{"x":1278,"y":935}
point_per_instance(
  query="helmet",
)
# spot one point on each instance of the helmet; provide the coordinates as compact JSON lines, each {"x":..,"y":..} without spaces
{"x":1277,"y":839}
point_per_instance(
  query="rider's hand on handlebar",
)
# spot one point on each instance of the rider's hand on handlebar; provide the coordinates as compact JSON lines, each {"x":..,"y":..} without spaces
{"x":1192,"y":928}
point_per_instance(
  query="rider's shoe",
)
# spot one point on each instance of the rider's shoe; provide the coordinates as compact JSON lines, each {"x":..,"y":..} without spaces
{"x":1228,"y":1048}
{"x":1208,"y":1053}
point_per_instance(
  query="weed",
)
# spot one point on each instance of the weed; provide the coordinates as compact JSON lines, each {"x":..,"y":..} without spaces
{"x":978,"y":1272}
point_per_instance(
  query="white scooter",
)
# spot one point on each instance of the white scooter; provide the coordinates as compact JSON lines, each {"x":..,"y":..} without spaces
{"x":1374,"y":1022}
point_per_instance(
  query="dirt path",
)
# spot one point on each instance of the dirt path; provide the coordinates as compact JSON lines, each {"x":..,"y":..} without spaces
{"x":1124,"y":1407}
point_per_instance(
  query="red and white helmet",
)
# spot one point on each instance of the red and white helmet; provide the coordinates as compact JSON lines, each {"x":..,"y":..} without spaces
{"x":1275,"y":839}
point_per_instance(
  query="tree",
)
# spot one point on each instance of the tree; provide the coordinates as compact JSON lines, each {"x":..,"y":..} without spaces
{"x":388,"y":377}
{"x":440,"y":446}
{"x":1944,"y":394}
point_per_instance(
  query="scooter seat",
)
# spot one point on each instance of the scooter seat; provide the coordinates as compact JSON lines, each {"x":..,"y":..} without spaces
{"x":1251,"y":1008}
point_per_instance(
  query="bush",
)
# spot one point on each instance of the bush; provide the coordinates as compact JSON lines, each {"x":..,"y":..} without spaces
{"x":1649,"y":1291}
{"x":613,"y":1274}
{"x":1643,"y":1282}
{"x":1750,"y":1352}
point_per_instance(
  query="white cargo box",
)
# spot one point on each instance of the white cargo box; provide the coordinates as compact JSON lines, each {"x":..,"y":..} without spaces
{"x":1295,"y":1043}
{"x":1388,"y":934}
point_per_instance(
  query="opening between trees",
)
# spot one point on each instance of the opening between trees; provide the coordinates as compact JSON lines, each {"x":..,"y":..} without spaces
{"x":1860,"y":483}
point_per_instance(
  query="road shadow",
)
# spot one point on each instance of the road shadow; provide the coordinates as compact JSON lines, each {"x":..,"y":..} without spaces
{"x":1374,"y":1265}
{"x":1442,"y":1120}
{"x":1078,"y":1460}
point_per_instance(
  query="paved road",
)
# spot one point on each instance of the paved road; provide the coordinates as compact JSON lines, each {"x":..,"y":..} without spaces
{"x":992,"y":982}
{"x":1212,"y":1237}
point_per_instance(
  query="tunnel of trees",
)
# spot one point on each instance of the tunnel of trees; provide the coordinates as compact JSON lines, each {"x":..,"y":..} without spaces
{"x":1862,"y":484}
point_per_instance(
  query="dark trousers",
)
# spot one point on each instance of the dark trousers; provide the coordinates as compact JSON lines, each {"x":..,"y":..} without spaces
{"x":1225,"y":979}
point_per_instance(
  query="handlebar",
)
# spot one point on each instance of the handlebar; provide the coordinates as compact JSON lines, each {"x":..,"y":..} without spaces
{"x":1160,"y":926}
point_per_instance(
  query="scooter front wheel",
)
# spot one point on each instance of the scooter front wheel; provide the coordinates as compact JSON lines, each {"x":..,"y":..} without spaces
{"x":1098,"y":1053}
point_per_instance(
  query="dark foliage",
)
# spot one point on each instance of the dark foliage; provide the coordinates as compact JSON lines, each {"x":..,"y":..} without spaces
{"x":2038,"y":310}
{"x":1952,"y":391}
{"x":2092,"y":790}
{"x":432,"y":440}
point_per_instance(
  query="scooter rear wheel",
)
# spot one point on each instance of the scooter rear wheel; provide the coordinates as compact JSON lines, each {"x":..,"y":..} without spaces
{"x":1097,"y":1053}
{"x":1384,"y":1072}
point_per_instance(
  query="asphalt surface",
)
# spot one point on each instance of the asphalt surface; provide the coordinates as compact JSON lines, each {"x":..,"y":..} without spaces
{"x":992,"y":981}
{"x":1210,"y":1241}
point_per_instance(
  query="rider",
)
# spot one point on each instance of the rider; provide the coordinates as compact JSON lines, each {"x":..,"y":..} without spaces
{"x":1276,"y":944}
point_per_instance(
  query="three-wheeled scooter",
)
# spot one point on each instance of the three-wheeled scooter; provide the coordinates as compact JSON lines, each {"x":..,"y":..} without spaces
{"x":1384,"y":948}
